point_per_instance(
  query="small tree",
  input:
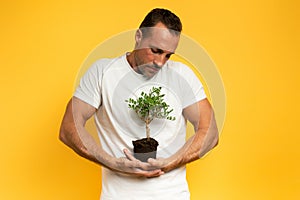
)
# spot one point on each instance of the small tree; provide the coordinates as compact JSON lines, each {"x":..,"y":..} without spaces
{"x":149,"y":106}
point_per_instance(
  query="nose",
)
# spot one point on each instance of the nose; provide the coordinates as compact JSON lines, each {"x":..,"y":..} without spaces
{"x":159,"y":60}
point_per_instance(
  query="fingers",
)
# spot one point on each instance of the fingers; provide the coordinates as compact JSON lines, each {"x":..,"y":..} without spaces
{"x":141,"y":169}
{"x":158,"y":163}
{"x":155,"y":173}
{"x":137,"y":163}
{"x":129,"y":155}
{"x":150,"y":174}
{"x":134,"y":162}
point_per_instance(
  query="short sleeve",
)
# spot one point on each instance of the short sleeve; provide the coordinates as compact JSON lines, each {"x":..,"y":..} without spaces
{"x":193,"y":90}
{"x":89,"y":89}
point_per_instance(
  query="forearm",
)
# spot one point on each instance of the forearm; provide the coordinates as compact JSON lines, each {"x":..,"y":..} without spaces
{"x":74,"y":135}
{"x":197,"y":146}
{"x":84,"y":145}
{"x":79,"y":140}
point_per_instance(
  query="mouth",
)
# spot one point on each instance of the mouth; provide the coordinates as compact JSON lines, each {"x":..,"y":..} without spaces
{"x":149,"y":70}
{"x":153,"y":69}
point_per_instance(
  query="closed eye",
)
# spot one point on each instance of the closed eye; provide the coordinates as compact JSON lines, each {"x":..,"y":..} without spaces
{"x":157,"y":51}
{"x":160,"y":51}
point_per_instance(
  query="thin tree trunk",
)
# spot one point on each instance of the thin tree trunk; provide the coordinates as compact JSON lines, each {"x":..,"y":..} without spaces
{"x":147,"y":130}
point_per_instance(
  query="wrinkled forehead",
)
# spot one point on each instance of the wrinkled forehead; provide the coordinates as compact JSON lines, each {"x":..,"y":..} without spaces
{"x":161,"y":38}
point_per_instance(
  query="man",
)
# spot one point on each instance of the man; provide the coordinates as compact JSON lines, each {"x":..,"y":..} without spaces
{"x":102,"y":93}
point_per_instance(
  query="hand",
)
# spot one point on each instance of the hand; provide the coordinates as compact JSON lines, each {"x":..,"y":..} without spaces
{"x":165,"y":164}
{"x":132,"y":166}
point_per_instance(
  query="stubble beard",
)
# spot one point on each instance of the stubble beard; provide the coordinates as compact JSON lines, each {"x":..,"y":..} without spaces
{"x":144,"y":68}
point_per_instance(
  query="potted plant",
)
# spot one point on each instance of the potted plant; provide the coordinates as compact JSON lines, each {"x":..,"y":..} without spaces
{"x":149,"y":106}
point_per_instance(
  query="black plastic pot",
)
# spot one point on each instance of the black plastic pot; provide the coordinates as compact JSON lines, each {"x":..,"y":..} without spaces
{"x":145,"y":148}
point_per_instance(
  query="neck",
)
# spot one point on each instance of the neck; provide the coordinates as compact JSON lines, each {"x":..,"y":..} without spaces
{"x":130,"y":58}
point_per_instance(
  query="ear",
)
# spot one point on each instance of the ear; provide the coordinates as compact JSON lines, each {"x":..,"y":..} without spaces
{"x":138,"y":37}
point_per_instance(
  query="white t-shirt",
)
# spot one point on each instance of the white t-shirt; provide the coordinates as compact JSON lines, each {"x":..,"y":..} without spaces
{"x":106,"y":85}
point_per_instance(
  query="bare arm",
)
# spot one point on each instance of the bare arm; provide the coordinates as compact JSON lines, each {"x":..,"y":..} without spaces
{"x":201,"y":116}
{"x":73,"y":134}
{"x":75,"y":117}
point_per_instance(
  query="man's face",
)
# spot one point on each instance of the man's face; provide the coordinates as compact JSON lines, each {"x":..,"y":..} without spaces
{"x":153,"y":50}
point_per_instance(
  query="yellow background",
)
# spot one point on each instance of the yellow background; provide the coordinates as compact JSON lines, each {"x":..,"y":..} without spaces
{"x":255,"y":45}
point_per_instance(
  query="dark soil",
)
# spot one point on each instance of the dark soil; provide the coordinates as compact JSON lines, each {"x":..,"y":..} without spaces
{"x":144,"y":149}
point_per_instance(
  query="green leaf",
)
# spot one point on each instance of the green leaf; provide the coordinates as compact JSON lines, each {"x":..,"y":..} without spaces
{"x":150,"y":104}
